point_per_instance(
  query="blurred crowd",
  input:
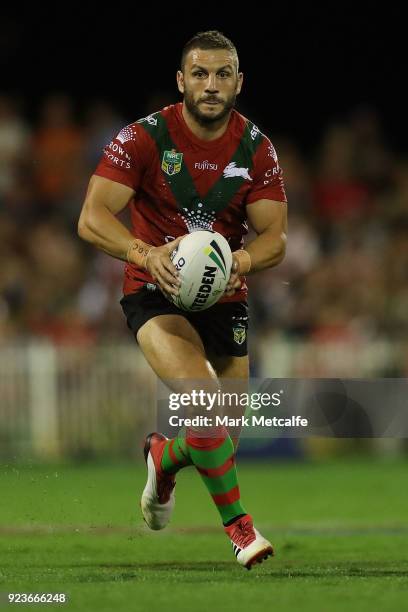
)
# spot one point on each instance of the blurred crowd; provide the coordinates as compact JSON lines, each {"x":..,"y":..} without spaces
{"x":346,"y":269}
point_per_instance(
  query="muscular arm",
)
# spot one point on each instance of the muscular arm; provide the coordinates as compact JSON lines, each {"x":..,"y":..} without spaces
{"x":99,"y":226}
{"x":269,"y":220}
{"x":98,"y":223}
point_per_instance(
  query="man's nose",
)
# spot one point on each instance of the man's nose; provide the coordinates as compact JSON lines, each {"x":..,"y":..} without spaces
{"x":211,"y":85}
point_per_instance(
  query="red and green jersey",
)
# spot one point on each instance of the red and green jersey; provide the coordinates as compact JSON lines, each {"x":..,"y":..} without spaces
{"x":182,"y":183}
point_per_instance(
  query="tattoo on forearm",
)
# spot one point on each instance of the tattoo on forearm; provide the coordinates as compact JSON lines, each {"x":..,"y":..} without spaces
{"x":141,"y":249}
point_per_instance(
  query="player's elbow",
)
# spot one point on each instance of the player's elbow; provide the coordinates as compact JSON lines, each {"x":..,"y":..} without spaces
{"x":278,"y":250}
{"x":84,"y":230}
{"x":281,"y":247}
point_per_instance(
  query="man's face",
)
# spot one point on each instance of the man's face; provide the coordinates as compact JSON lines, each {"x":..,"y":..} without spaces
{"x":210,"y":83}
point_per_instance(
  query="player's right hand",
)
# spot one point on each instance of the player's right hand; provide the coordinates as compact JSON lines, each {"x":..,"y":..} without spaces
{"x":234,"y":282}
{"x":162,"y":269}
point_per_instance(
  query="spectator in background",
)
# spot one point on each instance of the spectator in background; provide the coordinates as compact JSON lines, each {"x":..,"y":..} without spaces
{"x":339,"y":195}
{"x":345,"y":272}
{"x":14,"y":141}
{"x":370,"y":158}
{"x":101,"y":125}
{"x":58,"y":153}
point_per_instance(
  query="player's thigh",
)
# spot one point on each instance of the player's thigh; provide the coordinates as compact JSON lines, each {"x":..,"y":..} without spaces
{"x":174,"y":349}
{"x":233,"y":373}
{"x":229,"y":366}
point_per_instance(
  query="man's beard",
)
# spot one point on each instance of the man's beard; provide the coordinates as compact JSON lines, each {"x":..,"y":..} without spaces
{"x":206,"y":120}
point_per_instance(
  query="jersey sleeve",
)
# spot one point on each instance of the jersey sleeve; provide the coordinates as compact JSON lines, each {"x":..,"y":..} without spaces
{"x":123,"y":159}
{"x":267,"y":175}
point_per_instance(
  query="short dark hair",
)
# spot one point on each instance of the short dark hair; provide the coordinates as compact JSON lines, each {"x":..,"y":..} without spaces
{"x":212,"y":39}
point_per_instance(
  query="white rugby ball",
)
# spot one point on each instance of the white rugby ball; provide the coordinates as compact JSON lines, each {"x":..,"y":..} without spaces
{"x":204,"y":260}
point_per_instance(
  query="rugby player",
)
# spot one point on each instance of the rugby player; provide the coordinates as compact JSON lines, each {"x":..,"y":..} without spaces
{"x":198,"y":164}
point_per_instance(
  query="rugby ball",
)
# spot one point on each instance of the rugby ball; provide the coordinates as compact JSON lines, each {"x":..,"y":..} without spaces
{"x":203,"y":260}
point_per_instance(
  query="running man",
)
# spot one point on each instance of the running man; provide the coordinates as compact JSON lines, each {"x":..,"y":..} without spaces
{"x":197,"y":164}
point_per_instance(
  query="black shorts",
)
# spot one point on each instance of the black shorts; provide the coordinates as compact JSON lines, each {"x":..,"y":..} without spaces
{"x":222,"y":328}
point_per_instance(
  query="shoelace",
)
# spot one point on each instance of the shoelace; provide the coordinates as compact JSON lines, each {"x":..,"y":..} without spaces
{"x":244,"y":534}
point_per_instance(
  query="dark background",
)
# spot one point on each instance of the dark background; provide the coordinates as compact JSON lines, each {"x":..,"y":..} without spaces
{"x":327,"y":85}
{"x":303,"y":67}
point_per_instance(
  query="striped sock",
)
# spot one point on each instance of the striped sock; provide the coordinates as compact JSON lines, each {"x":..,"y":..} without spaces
{"x":214,"y":460}
{"x":175,"y":454}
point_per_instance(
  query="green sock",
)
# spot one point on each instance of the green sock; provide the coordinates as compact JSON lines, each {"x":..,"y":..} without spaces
{"x":175,"y":454}
{"x":214,"y":460}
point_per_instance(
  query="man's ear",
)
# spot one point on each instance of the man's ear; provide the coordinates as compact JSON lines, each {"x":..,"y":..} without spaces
{"x":180,"y":81}
{"x":240,"y":81}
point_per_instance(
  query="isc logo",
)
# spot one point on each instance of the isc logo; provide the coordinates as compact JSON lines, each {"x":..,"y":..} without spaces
{"x":254,"y":132}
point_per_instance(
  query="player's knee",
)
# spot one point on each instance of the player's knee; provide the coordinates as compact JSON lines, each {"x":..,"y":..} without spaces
{"x":198,"y":387}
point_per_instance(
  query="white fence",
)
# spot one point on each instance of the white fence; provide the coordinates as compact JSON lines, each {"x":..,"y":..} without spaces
{"x":86,"y":402}
{"x":356,"y":358}
{"x":73,"y":401}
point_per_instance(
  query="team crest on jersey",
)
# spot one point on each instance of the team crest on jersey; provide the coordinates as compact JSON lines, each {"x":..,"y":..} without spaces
{"x":239,"y":334}
{"x":232,"y":171}
{"x":171,"y":162}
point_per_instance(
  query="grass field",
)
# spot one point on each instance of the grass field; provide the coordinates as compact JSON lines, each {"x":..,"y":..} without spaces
{"x":340,"y":530}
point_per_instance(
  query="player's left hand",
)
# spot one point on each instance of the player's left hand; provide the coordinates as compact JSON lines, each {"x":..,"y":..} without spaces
{"x":234,"y":282}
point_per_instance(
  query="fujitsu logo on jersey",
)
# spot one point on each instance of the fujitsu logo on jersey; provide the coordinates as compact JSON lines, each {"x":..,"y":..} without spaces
{"x":231,"y":171}
{"x":205,"y":165}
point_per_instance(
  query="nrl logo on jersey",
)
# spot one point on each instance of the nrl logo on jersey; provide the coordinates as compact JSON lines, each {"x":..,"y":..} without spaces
{"x":232,"y":171}
{"x":171,"y":162}
{"x":239,"y":334}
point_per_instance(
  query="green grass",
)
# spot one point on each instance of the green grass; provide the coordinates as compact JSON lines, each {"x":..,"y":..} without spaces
{"x":340,"y":530}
